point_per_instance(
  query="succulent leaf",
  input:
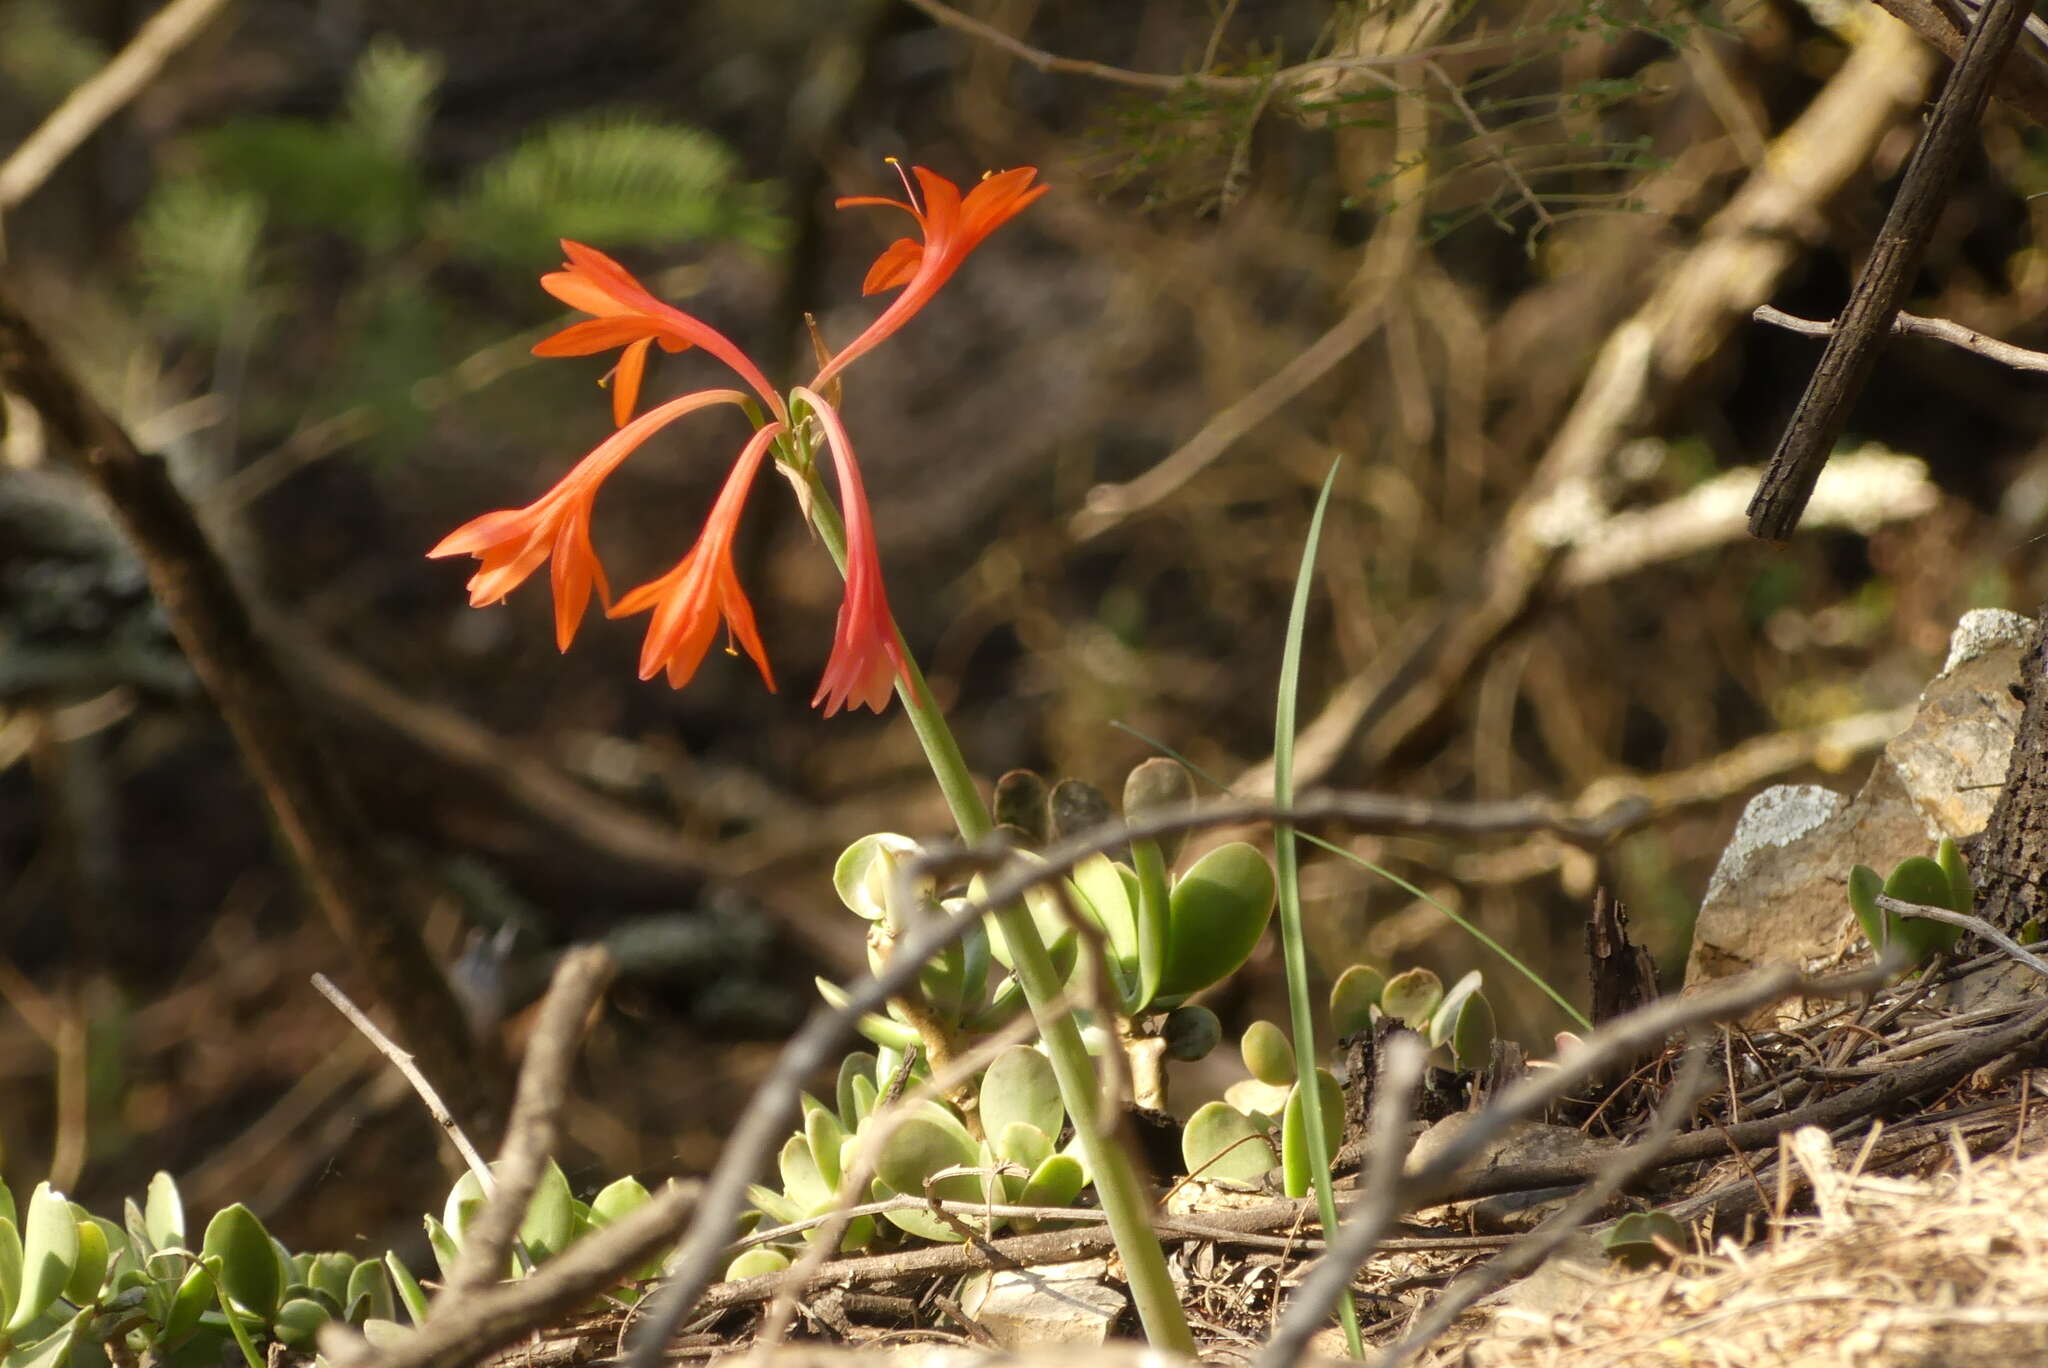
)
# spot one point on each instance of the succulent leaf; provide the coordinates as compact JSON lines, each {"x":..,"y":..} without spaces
{"x":858,"y":1065}
{"x":1020,"y":1087}
{"x":1962,"y":891}
{"x":1411,"y":997}
{"x":1352,"y":999}
{"x":1865,"y":884}
{"x":1918,"y":879}
{"x":550,"y":1223}
{"x":1220,"y":1141}
{"x":1191,"y":1033}
{"x":1219,"y":910}
{"x":248,"y":1262}
{"x":163,"y":1213}
{"x":90,"y":1270}
{"x":369,"y":1294}
{"x":49,"y":1251}
{"x":1023,"y":1144}
{"x":409,"y":1290}
{"x":298,"y":1322}
{"x":1267,"y":1054}
{"x":755,"y":1262}
{"x":619,"y":1198}
{"x":1294,"y":1152}
{"x":1056,"y":1182}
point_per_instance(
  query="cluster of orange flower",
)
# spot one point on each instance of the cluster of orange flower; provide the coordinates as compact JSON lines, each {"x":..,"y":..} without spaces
{"x":691,"y":600}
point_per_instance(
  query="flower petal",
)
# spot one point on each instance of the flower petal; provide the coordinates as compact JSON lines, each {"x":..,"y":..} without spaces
{"x":897,"y":265}
{"x":592,"y":335}
{"x":626,"y":378}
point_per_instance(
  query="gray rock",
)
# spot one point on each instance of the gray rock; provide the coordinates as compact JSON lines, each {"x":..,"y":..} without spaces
{"x":1069,"y":1303}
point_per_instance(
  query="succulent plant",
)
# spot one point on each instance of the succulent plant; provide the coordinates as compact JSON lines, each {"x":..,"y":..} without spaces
{"x":77,"y":1291}
{"x":1941,"y":882}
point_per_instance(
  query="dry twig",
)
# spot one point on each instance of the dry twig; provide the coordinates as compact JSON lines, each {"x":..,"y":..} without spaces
{"x":1913,"y":325}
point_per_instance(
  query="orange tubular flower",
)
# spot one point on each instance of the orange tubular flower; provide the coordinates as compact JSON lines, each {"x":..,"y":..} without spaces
{"x":952,"y":228}
{"x":512,"y":542}
{"x":626,"y":315}
{"x":867,"y":657}
{"x":689,"y":600}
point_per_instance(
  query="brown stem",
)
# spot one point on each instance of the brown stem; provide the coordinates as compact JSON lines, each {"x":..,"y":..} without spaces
{"x":314,"y":815}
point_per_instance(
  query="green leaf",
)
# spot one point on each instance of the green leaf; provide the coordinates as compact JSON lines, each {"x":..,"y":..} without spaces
{"x":10,"y":1267}
{"x":89,"y":1269}
{"x":164,"y":1215}
{"x":1465,"y":1023}
{"x":447,"y":1253}
{"x":619,"y":1198}
{"x":1191,"y":1032}
{"x":1056,"y":1182}
{"x":330,"y":1274}
{"x":854,"y":1066}
{"x":1219,"y":911}
{"x":1220,"y":1141}
{"x":922,"y":1145}
{"x":1411,"y":997}
{"x":801,"y":1180}
{"x":1638,"y":1239}
{"x":409,"y":1291}
{"x":1962,"y":891}
{"x":1020,"y":1087}
{"x":756,"y":1262}
{"x":1295,"y":1156}
{"x":298,"y":1321}
{"x":49,"y":1251}
{"x":615,"y":180}
{"x":53,"y":1350}
{"x":1865,"y":884}
{"x":1353,"y":997}
{"x":369,"y":1294}
{"x":248,"y":1263}
{"x":776,"y":1207}
{"x":326,"y":176}
{"x":1024,"y":1144}
{"x":550,"y":1223}
{"x":1267,"y":1055}
{"x":825,"y":1138}
{"x":194,"y":1295}
{"x":1918,"y":879}
{"x":884,"y":1031}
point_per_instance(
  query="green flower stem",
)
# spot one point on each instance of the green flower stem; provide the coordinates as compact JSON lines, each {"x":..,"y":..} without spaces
{"x":1124,"y":1200}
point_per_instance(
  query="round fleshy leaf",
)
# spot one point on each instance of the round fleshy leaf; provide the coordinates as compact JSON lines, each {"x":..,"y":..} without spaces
{"x":1865,"y":884}
{"x":774,"y":1205}
{"x":619,"y":1198}
{"x":163,"y":1214}
{"x":1962,"y":890}
{"x":90,"y":1271}
{"x":1020,"y":804}
{"x":1020,"y":1086}
{"x":865,"y":869}
{"x":49,"y":1251}
{"x":1268,"y":1056}
{"x":1446,"y":1014}
{"x":825,"y":1137}
{"x":1076,"y":808}
{"x":329,"y":1273}
{"x":1352,"y":999}
{"x":1220,"y":1141}
{"x":297,"y":1322}
{"x":1262,"y":1102}
{"x":248,"y":1261}
{"x":1191,"y":1033}
{"x":1411,"y":997}
{"x":1023,"y":1144}
{"x":885,"y":1031}
{"x":1110,"y":892}
{"x":194,"y":1295}
{"x":1642,"y":1238}
{"x":369,"y":1294}
{"x":857,"y":1065}
{"x":755,"y":1262}
{"x":1218,"y":911}
{"x":801,"y":1181}
{"x":550,"y":1223}
{"x":925,"y":1144}
{"x":1470,"y":1032}
{"x":1294,"y":1151}
{"x":1056,"y":1182}
{"x":1921,"y":880}
{"x":10,"y":1267}
{"x":1160,"y":787}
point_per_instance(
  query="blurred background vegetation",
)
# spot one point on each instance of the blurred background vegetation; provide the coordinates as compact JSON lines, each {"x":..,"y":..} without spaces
{"x":302,"y":265}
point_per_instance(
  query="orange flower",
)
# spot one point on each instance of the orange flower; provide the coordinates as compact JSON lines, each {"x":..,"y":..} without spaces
{"x":689,"y":600}
{"x":867,"y":656}
{"x":952,"y":228}
{"x":626,"y":315}
{"x":512,"y":542}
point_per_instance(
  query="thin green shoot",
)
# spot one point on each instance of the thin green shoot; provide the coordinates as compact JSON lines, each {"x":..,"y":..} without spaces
{"x":1287,"y":866}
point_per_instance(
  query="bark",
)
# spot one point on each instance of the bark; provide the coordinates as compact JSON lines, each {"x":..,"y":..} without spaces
{"x":2011,"y":867}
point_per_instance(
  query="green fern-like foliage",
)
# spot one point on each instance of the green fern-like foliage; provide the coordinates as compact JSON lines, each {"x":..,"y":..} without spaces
{"x":613,"y":180}
{"x":198,"y":251}
{"x":391,"y":98}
